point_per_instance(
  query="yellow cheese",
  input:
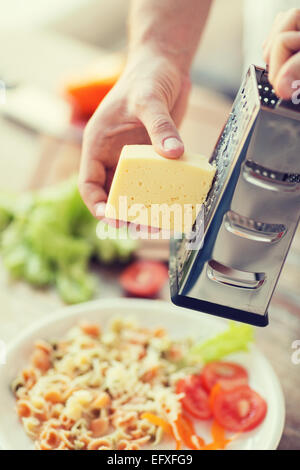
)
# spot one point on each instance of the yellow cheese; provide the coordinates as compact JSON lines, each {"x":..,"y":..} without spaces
{"x":151,"y":190}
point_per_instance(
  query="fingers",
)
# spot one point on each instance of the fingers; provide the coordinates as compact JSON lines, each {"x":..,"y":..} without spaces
{"x":279,"y":48}
{"x":91,"y":182}
{"x":284,"y":21}
{"x":287,"y":78}
{"x":100,"y":213}
{"x":161,"y":128}
{"x":285,"y":45}
{"x":92,"y":174}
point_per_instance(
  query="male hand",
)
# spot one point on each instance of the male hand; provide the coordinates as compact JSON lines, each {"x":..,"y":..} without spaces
{"x":282,"y":53}
{"x":145,"y":106}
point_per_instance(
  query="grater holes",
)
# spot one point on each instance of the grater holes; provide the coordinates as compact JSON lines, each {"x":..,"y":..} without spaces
{"x":291,"y":178}
{"x":267,"y":94}
{"x":270,"y":176}
{"x":254,"y":230}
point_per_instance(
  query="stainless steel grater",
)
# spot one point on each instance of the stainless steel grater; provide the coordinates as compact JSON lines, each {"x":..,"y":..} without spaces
{"x":251,"y":212}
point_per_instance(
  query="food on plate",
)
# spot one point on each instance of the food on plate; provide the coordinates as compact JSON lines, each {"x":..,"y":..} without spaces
{"x":49,"y":236}
{"x":144,"y":278}
{"x":86,"y":90}
{"x":236,"y":338}
{"x":195,"y":399}
{"x":151,"y":190}
{"x":227,"y":374}
{"x":239,"y":409}
{"x":126,"y":387}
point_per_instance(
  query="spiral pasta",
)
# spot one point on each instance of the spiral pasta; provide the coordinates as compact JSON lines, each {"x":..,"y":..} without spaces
{"x":89,"y":389}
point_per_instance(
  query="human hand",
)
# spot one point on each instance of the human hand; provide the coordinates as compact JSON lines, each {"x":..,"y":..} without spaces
{"x":282,"y":53}
{"x":145,"y":106}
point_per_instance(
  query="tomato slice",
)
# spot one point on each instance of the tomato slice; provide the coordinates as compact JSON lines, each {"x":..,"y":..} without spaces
{"x":196,"y":399}
{"x":144,"y":278}
{"x":239,"y":409}
{"x":227,"y":374}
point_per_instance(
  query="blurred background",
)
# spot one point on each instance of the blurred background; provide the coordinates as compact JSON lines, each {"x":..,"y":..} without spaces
{"x":103,"y":24}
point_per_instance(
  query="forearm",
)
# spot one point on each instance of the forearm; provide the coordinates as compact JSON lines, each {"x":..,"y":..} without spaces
{"x":168,"y":27}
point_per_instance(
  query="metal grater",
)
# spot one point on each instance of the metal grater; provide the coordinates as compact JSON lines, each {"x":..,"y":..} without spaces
{"x":251,"y":212}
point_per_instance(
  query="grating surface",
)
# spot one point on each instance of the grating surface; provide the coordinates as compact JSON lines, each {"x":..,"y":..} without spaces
{"x":250,"y":96}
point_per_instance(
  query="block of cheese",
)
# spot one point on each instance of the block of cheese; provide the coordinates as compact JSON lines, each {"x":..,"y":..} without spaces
{"x":151,"y":190}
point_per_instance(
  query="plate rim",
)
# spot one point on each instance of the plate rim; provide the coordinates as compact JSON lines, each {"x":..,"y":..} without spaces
{"x":119,"y":302}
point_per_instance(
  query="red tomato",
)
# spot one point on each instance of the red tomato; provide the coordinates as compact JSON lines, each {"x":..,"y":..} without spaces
{"x":196,"y":399}
{"x":227,"y":374}
{"x":144,"y":278}
{"x":239,"y":409}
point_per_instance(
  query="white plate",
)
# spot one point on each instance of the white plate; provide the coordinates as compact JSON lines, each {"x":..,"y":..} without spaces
{"x":151,"y":313}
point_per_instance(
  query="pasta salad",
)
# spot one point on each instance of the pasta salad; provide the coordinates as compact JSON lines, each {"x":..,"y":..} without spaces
{"x":128,"y":387}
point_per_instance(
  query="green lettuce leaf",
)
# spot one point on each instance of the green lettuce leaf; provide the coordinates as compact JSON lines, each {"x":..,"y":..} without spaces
{"x":49,"y":236}
{"x":236,"y":338}
{"x":74,"y":284}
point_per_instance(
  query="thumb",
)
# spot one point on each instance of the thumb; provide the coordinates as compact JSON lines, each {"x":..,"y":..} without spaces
{"x":161,"y":129}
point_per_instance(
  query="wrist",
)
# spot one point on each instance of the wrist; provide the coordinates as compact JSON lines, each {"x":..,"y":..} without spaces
{"x":155,"y":53}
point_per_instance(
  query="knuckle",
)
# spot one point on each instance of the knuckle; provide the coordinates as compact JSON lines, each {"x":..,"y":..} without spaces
{"x":160,"y":125}
{"x":148,"y":94}
{"x":281,"y":38}
{"x":279,"y":42}
{"x":142,"y":97}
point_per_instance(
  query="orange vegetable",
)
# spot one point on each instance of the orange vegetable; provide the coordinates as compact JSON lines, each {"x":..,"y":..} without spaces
{"x":99,"y":427}
{"x":157,"y":421}
{"x":90,"y":329}
{"x":219,"y":439}
{"x":186,"y":431}
{"x":150,"y":374}
{"x":41,"y":360}
{"x":87,"y":89}
{"x":178,"y":445}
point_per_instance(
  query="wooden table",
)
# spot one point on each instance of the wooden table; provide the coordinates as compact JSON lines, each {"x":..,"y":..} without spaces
{"x":42,"y":60}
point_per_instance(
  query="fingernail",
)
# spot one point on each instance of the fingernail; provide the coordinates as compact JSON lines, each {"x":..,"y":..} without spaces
{"x":172,"y":143}
{"x":100,"y":209}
